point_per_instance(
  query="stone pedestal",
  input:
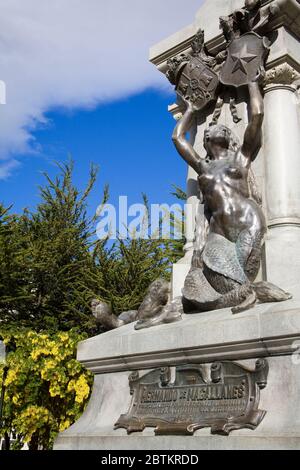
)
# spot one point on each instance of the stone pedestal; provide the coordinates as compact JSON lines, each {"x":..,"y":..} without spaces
{"x":270,"y":331}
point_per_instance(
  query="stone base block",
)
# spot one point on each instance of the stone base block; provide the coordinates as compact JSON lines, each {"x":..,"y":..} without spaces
{"x":271,"y":331}
{"x":283,"y":255}
{"x":178,"y":443}
{"x":180,"y":271}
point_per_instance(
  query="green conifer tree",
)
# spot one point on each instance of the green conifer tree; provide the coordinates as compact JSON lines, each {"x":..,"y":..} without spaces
{"x":45,"y":259}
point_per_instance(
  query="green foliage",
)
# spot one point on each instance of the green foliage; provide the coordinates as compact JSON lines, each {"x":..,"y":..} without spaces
{"x":45,"y":259}
{"x":125,"y":271}
{"x":46,"y":389}
{"x":179,"y":193}
{"x":51,"y":267}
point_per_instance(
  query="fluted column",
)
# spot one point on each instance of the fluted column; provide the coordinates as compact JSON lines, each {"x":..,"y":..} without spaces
{"x":282,"y":147}
{"x":282,"y":173}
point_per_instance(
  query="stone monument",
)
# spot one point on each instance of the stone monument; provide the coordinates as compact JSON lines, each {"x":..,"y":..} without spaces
{"x":219,"y":368}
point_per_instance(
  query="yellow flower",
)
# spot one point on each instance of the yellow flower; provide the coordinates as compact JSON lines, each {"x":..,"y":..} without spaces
{"x":64,"y":425}
{"x":71,"y":385}
{"x":55,"y":350}
{"x":63,"y":337}
{"x":44,"y":366}
{"x":15,"y":399}
{"x":36,"y":353}
{"x":49,"y":365}
{"x":82,"y":389}
{"x":11,"y":377}
{"x":55,"y":390}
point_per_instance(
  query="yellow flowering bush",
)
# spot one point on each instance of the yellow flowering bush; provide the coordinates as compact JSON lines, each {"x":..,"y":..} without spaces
{"x":46,"y":388}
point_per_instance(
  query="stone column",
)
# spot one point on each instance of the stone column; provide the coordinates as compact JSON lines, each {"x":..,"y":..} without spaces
{"x":282,"y":172}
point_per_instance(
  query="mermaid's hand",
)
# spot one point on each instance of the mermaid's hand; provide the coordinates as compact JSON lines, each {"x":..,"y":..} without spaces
{"x":188,"y":105}
{"x":261,"y":75}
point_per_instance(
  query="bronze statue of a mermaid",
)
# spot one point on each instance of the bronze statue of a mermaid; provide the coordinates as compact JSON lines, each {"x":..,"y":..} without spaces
{"x":224,"y":270}
{"x":227,"y":256}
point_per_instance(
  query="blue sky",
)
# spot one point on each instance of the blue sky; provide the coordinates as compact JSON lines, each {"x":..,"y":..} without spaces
{"x":129,"y":139}
{"x":79,"y":82}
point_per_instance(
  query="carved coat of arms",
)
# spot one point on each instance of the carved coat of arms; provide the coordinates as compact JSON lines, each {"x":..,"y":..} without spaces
{"x":246,"y":57}
{"x":193,"y":75}
{"x":198,"y":83}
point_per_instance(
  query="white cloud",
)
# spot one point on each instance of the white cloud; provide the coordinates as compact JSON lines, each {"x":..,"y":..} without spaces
{"x":76,"y":53}
{"x":7,"y":167}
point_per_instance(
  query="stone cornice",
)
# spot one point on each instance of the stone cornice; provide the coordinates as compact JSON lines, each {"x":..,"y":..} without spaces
{"x":266,"y":330}
{"x":160,"y":61}
{"x":265,"y":347}
{"x":289,"y":18}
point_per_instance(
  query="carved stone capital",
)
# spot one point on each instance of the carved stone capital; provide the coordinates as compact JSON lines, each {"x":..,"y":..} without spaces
{"x":283,"y":74}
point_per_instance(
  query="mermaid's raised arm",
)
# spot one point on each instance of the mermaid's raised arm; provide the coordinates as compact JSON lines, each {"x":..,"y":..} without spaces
{"x":253,"y":134}
{"x":183,"y":146}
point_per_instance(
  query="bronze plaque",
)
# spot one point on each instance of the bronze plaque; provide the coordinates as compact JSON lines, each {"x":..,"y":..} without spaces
{"x":227,"y":401}
{"x":198,"y":83}
{"x":245,"y":60}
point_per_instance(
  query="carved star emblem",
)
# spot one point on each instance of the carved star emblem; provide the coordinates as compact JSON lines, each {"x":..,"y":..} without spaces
{"x":242,"y":58}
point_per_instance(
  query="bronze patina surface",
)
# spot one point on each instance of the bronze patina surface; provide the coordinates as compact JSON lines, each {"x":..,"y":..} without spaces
{"x":229,"y":238}
{"x":227,"y":401}
{"x":194,"y":75}
{"x":245,"y":59}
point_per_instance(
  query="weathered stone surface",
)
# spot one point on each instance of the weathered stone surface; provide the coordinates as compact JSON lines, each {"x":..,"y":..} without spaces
{"x":198,"y":442}
{"x":268,"y":330}
{"x":199,"y":337}
{"x":280,"y":428}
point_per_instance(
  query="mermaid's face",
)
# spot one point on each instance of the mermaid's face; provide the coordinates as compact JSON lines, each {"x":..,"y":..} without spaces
{"x":216,"y":141}
{"x":251,"y":4}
